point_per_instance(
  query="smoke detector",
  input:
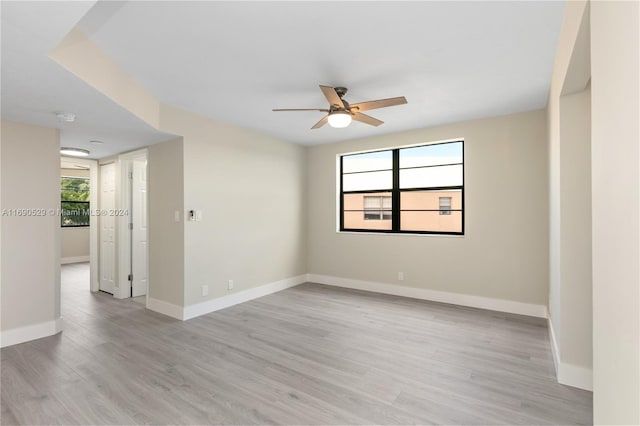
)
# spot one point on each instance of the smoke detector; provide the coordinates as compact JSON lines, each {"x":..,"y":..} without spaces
{"x":66,"y":117}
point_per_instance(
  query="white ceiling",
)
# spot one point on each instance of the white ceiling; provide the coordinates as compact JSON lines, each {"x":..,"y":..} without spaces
{"x":34,"y":87}
{"x":235,"y":61}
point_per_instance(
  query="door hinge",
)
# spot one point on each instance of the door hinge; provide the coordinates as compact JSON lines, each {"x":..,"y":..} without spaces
{"x":131,"y":226}
{"x":130,"y":175}
{"x":130,"y":277}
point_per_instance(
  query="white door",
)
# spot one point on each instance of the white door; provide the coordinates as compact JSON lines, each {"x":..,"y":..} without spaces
{"x":107,"y":227}
{"x":139,"y":233}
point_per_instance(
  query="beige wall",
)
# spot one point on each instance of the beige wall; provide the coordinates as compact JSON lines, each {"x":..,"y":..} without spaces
{"x":615,"y":156}
{"x":250,"y":189}
{"x":166,"y":236}
{"x":30,"y":245}
{"x":74,"y":173}
{"x":504,"y":252}
{"x":575,"y":229}
{"x":74,"y":243}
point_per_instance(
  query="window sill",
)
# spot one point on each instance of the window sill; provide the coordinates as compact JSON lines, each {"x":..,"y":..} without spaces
{"x":399,"y":234}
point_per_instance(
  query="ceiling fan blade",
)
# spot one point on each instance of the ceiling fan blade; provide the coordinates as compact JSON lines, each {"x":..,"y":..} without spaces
{"x":300,"y":109}
{"x":367,"y":119}
{"x":380,"y":103}
{"x":322,"y":122}
{"x":332,"y":96}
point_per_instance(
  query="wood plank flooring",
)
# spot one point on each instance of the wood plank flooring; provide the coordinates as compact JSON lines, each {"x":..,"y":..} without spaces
{"x":308,"y":355}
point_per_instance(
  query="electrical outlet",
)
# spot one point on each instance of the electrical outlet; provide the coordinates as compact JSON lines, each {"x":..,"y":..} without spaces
{"x":230,"y":285}
{"x":400,"y":276}
{"x":205,"y":290}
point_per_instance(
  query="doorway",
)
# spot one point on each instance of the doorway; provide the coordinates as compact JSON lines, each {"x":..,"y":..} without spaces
{"x":133,"y":226}
{"x":79,"y":233}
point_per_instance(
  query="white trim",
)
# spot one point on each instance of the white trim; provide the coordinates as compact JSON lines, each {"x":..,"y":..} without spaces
{"x":19,"y":335}
{"x":492,"y":304}
{"x":213,"y":305}
{"x":77,"y":259}
{"x":555,"y":351}
{"x":165,"y":308}
{"x":569,"y":374}
{"x":576,"y":376}
{"x":123,"y":234}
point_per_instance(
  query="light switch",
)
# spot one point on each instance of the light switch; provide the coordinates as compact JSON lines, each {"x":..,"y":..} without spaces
{"x":176,"y":216}
{"x":198,"y":215}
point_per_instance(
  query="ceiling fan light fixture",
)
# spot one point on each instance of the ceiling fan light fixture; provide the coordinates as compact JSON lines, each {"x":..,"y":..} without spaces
{"x":74,"y":152}
{"x":339,"y":119}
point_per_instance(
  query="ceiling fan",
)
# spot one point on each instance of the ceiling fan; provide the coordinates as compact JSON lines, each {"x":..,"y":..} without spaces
{"x":340,"y":112}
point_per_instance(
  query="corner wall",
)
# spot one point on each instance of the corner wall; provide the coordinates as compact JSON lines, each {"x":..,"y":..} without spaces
{"x":569,"y":135}
{"x":166,"y":235}
{"x":30,"y":290}
{"x":615,"y":59}
{"x":502,"y":260}
{"x":250,"y":190}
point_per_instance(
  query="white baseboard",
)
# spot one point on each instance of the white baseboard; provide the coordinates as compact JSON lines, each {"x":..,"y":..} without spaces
{"x":500,"y":305}
{"x":213,"y":305}
{"x":165,"y":308}
{"x":77,"y":259}
{"x":19,"y":335}
{"x":569,"y":374}
{"x":196,"y":310}
{"x":554,"y":345}
{"x":576,"y":376}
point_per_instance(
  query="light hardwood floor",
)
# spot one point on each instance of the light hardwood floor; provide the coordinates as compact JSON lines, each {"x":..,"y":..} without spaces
{"x":311,"y":354}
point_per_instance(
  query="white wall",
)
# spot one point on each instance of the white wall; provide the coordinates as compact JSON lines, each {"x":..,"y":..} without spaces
{"x":30,"y":245}
{"x":615,"y":59}
{"x":504,"y":252}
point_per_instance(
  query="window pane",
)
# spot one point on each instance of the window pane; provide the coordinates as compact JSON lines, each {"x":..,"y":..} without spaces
{"x":367,"y":211}
{"x":74,"y":189}
{"x":430,"y":221}
{"x":429,"y":200}
{"x":430,"y":155}
{"x":381,"y":160}
{"x":75,"y":214}
{"x":431,"y":176}
{"x":356,"y":220}
{"x":367,"y":181}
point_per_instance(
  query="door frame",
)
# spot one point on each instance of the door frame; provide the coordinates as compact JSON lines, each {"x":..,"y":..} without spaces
{"x":94,"y":189}
{"x":125,"y":167}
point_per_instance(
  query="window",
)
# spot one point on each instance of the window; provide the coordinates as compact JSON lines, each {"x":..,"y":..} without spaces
{"x":418,"y":189}
{"x":445,"y":205}
{"x":74,"y":198}
{"x":377,"y":208}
